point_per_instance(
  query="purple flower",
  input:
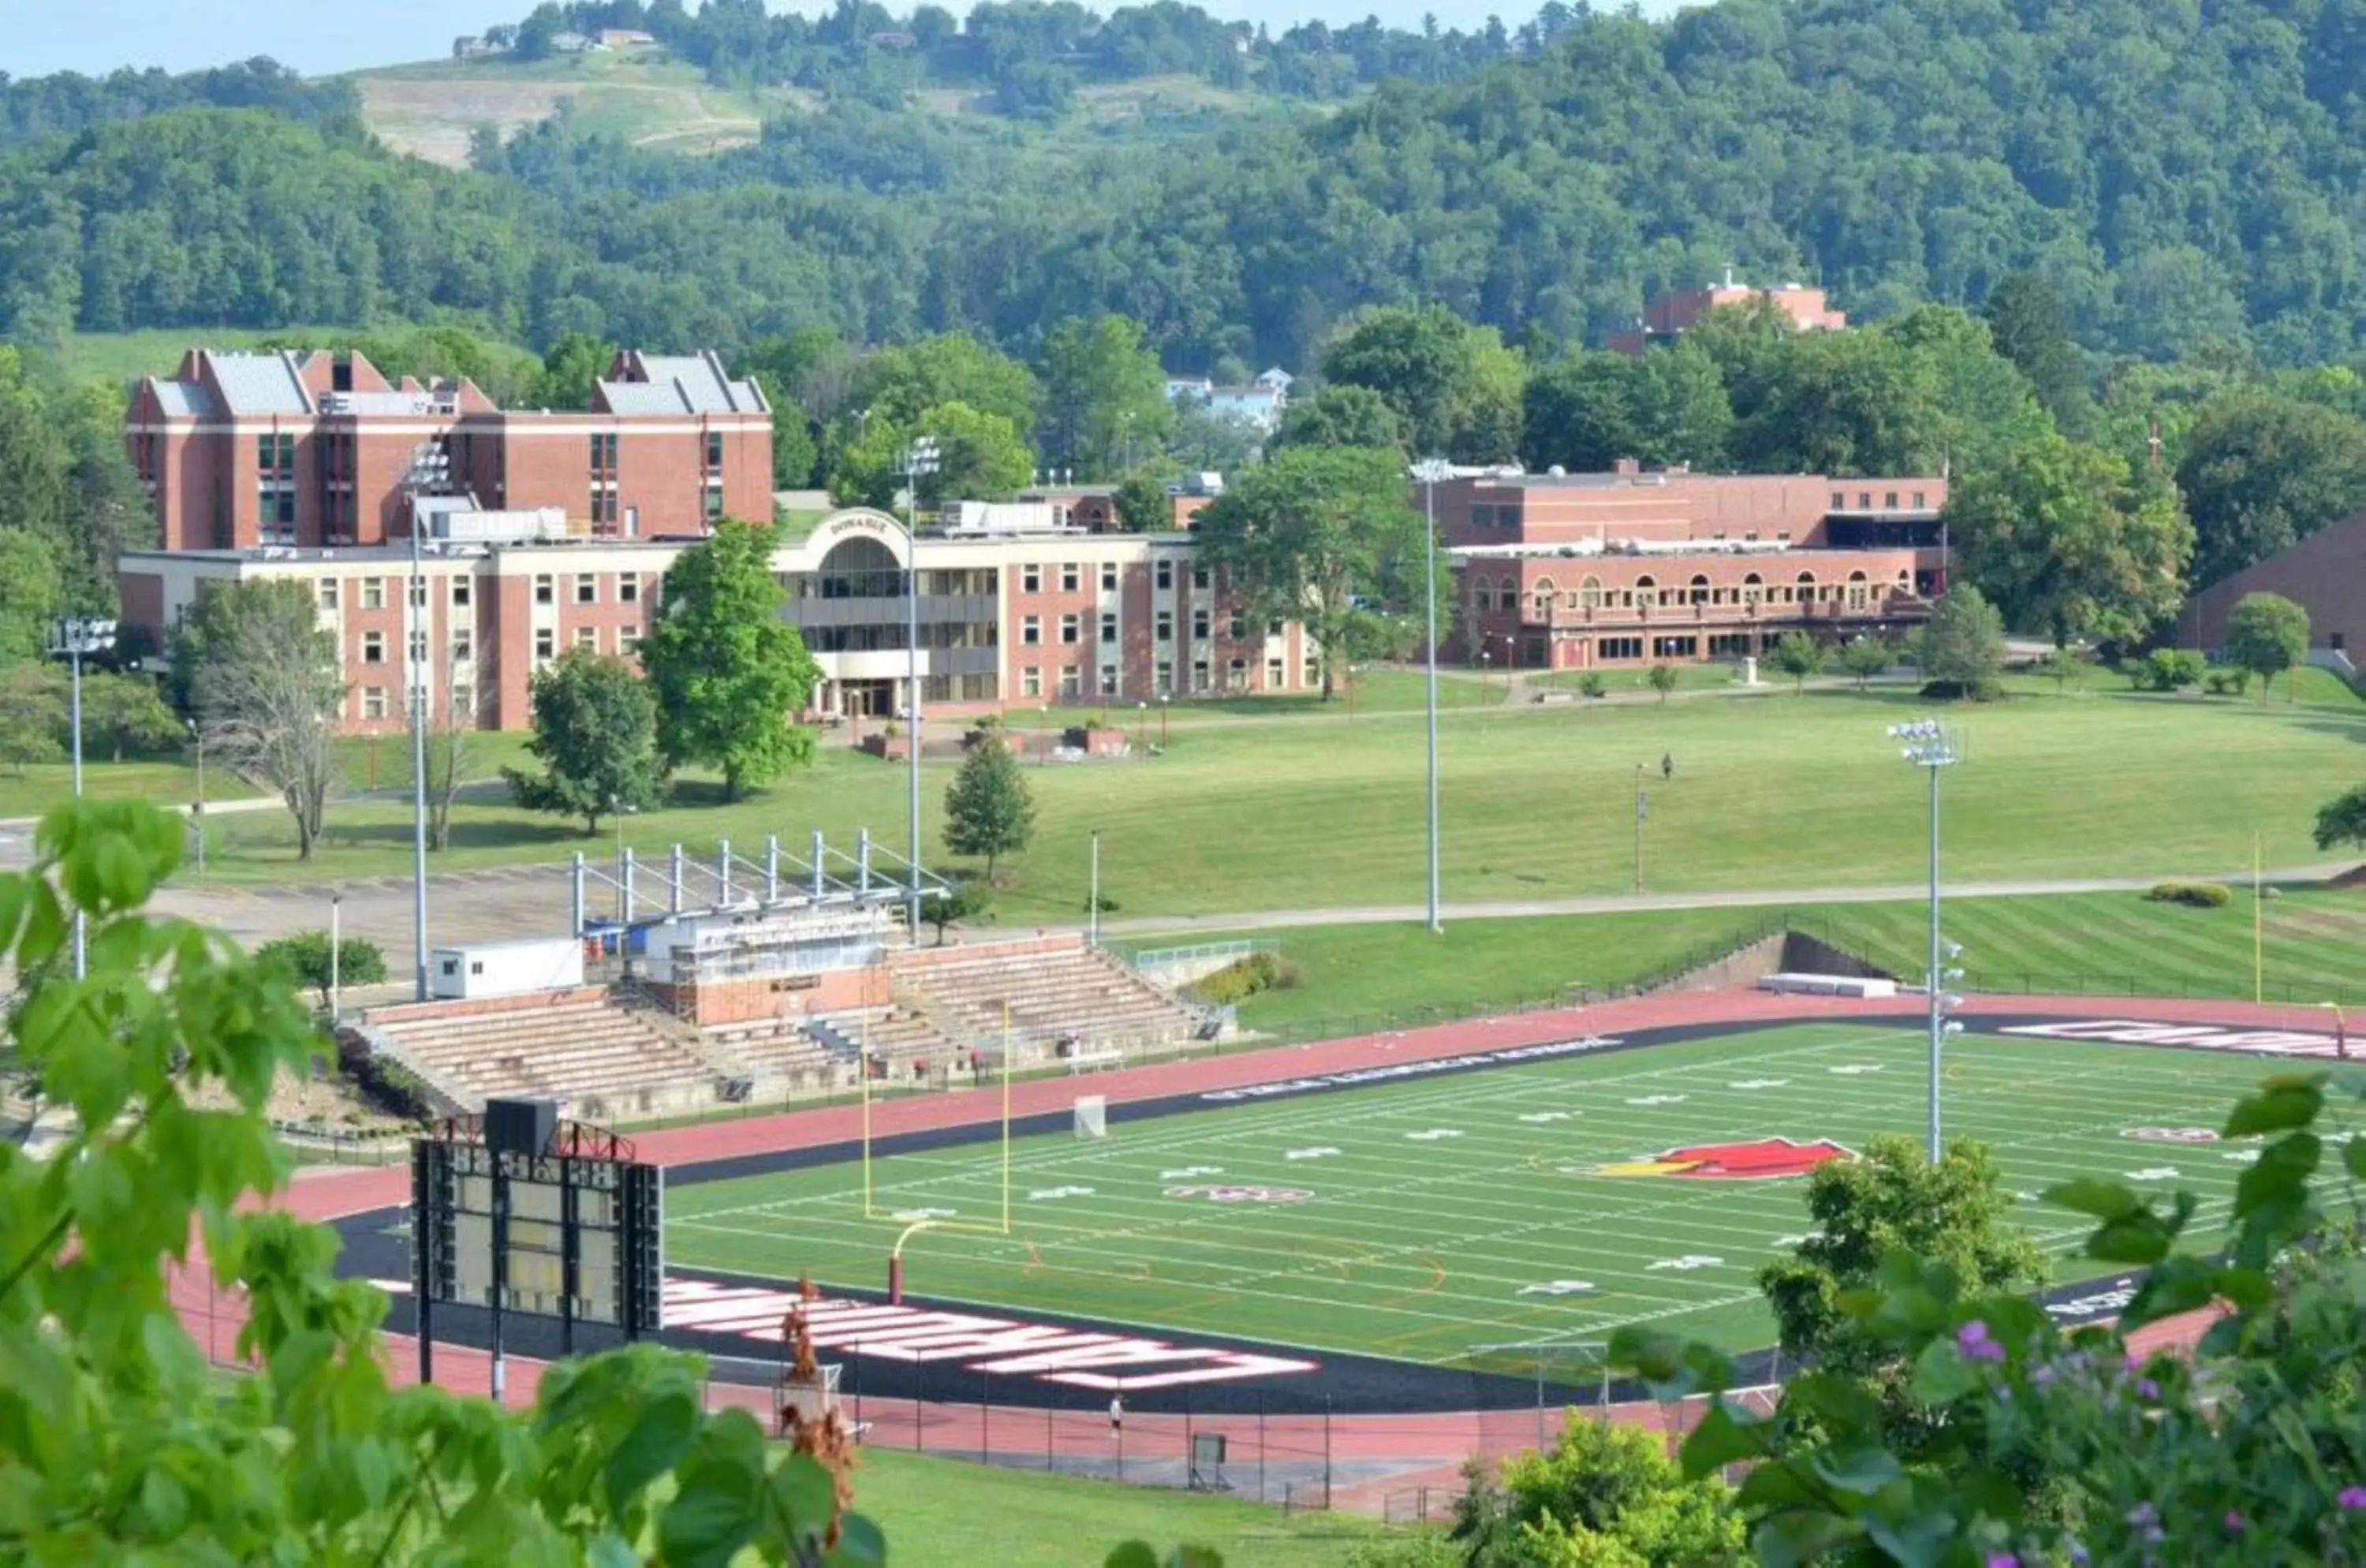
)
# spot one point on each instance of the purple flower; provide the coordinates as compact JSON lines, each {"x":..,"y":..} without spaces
{"x":2078,"y":1554}
{"x":2351,"y":1497}
{"x":2004,"y":1560}
{"x":2233,"y":1522}
{"x":2145,"y":1521}
{"x":2148,"y":1389}
{"x":2040,"y":1377}
{"x":1973,"y":1340}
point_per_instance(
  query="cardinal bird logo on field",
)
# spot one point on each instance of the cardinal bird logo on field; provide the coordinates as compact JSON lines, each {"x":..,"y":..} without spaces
{"x":1761,"y":1159}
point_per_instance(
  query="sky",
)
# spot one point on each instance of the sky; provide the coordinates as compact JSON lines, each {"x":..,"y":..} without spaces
{"x":319,"y":38}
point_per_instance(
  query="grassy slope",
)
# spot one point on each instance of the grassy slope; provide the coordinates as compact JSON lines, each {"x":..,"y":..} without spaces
{"x":1770,"y":791}
{"x":944,"y":1511}
{"x":156,"y":351}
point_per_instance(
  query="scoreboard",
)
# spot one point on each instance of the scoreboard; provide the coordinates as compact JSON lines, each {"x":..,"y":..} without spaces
{"x":571,"y":1236}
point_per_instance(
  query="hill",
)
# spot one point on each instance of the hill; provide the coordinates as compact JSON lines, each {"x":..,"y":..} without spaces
{"x":2189,"y":179}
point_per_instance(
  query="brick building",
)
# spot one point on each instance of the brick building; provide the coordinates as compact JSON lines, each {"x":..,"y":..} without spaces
{"x":2324,"y":574}
{"x":1670,"y":315}
{"x":1572,"y":571}
{"x":241,"y":451}
{"x":1007,"y":618}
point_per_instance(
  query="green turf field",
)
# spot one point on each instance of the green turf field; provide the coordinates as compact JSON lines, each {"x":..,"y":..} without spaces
{"x":1452,"y":1212}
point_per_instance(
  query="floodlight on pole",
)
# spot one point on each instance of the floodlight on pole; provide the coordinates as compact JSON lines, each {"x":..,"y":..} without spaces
{"x":920,"y":457}
{"x":431,"y":467}
{"x":74,"y":639}
{"x":1931,"y":746}
{"x":1430,"y":471}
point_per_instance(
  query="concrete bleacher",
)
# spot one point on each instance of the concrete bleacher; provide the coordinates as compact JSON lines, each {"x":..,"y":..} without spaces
{"x":1054,"y":991}
{"x":780,"y":1056}
{"x":599,"y":1057}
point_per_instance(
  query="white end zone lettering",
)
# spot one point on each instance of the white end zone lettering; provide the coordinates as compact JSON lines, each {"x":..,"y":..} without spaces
{"x":2207,"y":1037}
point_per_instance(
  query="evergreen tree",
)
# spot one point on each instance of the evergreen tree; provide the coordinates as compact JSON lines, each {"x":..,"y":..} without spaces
{"x":2029,"y":326}
{"x":989,"y":810}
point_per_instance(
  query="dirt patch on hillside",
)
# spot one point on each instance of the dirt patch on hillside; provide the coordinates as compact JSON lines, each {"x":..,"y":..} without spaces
{"x":434,"y":120}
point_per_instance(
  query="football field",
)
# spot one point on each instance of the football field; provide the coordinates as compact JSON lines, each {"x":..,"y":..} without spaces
{"x":1549,"y":1200}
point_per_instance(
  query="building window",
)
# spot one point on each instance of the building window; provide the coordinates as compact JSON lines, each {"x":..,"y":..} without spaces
{"x":373,"y":647}
{"x":1865,"y":501}
{"x":1031,"y":631}
{"x":1164,"y":628}
{"x":546,"y":644}
{"x":714,"y":503}
{"x":1273,"y":677}
{"x":1030,"y":681}
{"x":629,"y":589}
{"x":1675,"y":647}
{"x":1619,"y":647}
{"x":603,"y":455}
{"x":587,"y":639}
{"x":1889,"y":500}
{"x":1236,"y":675}
{"x":714,"y":451}
{"x":373,"y":593}
{"x":461,"y":593}
{"x":542,"y":589}
{"x":464,"y":645}
{"x":1200,"y":574}
{"x":1109,"y":628}
{"x":373,"y":701}
{"x":629,"y":644}
{"x":1199,"y":674}
{"x":603,"y":504}
{"x":587,"y":588}
{"x":1031,"y":579}
{"x":1701,"y":589}
{"x":1071,"y":682}
{"x":1164,"y":576}
{"x":1313,"y":670}
{"x":1164,"y":675}
{"x":1108,"y":680}
{"x":1919,"y":505}
{"x":1840,"y":500}
{"x":1071,"y":629}
{"x":1070,"y":577}
{"x":1109,"y":577}
{"x":327,"y":590}
{"x":1199,"y":621}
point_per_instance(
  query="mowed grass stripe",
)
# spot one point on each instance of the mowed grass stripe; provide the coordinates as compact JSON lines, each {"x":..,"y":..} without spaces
{"x":1424,"y":1249}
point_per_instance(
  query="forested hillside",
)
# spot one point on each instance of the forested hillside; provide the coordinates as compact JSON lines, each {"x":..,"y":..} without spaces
{"x":2188,"y":178}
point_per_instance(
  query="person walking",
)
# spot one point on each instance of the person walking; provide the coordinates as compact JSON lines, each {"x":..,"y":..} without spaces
{"x":1117,"y":1418}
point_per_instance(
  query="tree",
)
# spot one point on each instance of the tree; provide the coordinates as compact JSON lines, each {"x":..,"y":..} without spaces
{"x":2261,"y":473}
{"x":1866,"y":656}
{"x":900,"y":385}
{"x":2267,"y":633}
{"x":1987,"y":406}
{"x":1341,"y":416}
{"x":569,"y":366}
{"x":32,"y":716}
{"x":2067,"y":541}
{"x":730,"y":674}
{"x":1663,"y":678}
{"x":1585,"y":412}
{"x":30,"y":594}
{"x":1104,"y":395}
{"x":2065,"y":666}
{"x":123,"y":712}
{"x":1963,"y":643}
{"x":1143,"y":505}
{"x":1844,"y":403}
{"x":304,"y":958}
{"x":2342,"y":819}
{"x":161,"y":1063}
{"x":1454,"y":388}
{"x":1603,"y":1495}
{"x":989,"y":810}
{"x":2028,"y":325}
{"x":262,"y":676}
{"x":965,"y":901}
{"x":595,"y":734}
{"x":1321,"y":535}
{"x":453,"y":742}
{"x":980,"y":457}
{"x":1798,"y":656}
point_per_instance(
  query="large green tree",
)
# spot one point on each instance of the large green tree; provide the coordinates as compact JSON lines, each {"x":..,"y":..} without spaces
{"x":30,"y":594}
{"x":2067,"y":541}
{"x":901,"y":384}
{"x":1321,"y":535}
{"x":595,"y":734}
{"x":33,"y":716}
{"x":1341,"y":416}
{"x":1962,"y":645}
{"x":1104,"y":396}
{"x":730,"y":676}
{"x":1586,"y":411}
{"x":1847,"y":404}
{"x":2029,"y":326}
{"x":2261,"y":473}
{"x":251,"y":662}
{"x":1454,"y":387}
{"x":980,"y":457}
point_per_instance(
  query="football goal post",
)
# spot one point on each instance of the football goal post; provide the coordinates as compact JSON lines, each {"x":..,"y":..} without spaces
{"x":1092,"y":1116}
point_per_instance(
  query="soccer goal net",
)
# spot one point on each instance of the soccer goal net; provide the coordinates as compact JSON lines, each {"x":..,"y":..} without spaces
{"x":1092,"y":1116}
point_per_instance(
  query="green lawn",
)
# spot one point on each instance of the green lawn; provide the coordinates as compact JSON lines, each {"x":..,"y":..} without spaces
{"x":1434,"y":1216}
{"x":945,"y":1511}
{"x":42,"y":785}
{"x":1367,"y":977}
{"x":1770,"y":791}
{"x":156,"y":351}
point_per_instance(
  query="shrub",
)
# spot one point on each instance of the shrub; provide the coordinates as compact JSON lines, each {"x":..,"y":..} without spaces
{"x":2167,"y":669}
{"x":2199,"y":895}
{"x":1591,"y":684}
{"x":1984,"y":691}
{"x":1239,"y":981}
{"x":304,"y":958}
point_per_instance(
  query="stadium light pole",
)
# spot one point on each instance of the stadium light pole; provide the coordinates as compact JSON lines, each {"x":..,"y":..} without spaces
{"x":1931,"y":746}
{"x":72,"y":639}
{"x":920,"y":459}
{"x":430,"y":465}
{"x":1429,"y":471}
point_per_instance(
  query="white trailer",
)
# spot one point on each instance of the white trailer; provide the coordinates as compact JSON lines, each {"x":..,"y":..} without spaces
{"x":507,"y":968}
